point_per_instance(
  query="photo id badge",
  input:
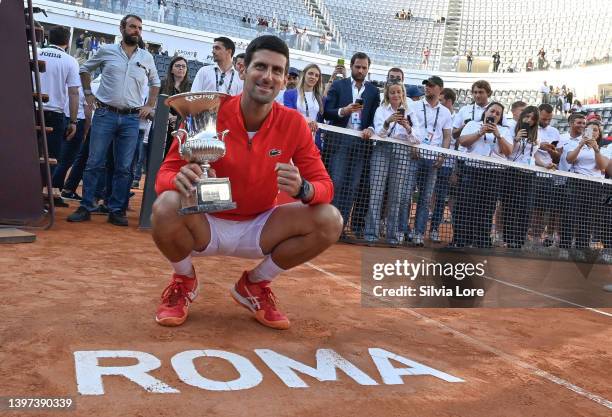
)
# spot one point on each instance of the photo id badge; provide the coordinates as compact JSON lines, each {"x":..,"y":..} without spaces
{"x":356,"y":119}
{"x":428,"y":138}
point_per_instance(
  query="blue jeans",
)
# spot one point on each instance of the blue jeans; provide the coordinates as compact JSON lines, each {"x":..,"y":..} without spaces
{"x":441,"y":191}
{"x":122,"y":131}
{"x":139,"y":156}
{"x":426,"y":179}
{"x":68,"y":154}
{"x":406,"y":195}
{"x":390,"y":163}
{"x":346,"y":155}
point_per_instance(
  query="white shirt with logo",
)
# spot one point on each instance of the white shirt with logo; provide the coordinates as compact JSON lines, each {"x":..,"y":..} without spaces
{"x":395,"y":130}
{"x":548,"y":134}
{"x":487,"y":144}
{"x":585,"y":164}
{"x":62,"y":72}
{"x":432,"y":133}
{"x":209,"y":77}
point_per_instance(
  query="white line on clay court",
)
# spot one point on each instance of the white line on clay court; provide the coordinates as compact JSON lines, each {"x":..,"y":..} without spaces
{"x":520,"y":287}
{"x":481,"y":345}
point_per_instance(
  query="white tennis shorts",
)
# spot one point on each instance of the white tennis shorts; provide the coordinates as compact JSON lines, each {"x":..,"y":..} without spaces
{"x":235,"y":238}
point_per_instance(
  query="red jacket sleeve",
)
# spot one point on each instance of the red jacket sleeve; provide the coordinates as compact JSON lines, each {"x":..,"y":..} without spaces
{"x":168,"y":170}
{"x":308,"y":160}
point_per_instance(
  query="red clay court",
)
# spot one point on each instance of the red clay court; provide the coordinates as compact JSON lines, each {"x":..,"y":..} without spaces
{"x":92,"y":287}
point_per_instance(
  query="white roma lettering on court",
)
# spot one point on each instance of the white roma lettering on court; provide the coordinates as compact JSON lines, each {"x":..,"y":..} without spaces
{"x":393,"y":376}
{"x":89,"y":372}
{"x":185,"y":369}
{"x":327,"y":363}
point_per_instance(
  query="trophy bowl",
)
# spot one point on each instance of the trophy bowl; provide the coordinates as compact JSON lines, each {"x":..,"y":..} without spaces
{"x":199,"y":142}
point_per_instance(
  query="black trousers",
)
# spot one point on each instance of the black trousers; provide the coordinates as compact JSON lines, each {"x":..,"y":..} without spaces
{"x":580,"y":209}
{"x":517,"y":191}
{"x":476,"y":201}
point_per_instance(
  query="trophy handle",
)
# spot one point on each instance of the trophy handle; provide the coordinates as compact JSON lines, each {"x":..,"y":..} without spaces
{"x":222,"y":138}
{"x":181,"y":136}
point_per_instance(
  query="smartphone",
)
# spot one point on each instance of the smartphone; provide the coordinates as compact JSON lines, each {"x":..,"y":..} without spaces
{"x":359,"y":101}
{"x":588,"y":132}
{"x":490,"y":119}
{"x":525,"y":126}
{"x":401,"y":111}
{"x":340,"y":62}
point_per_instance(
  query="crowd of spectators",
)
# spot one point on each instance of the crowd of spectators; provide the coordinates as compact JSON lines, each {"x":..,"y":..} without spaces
{"x":376,"y":183}
{"x":404,"y":15}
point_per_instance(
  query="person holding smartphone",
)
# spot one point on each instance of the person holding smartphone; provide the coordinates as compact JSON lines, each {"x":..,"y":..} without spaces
{"x":481,"y":181}
{"x":351,"y":104}
{"x":545,"y":216}
{"x":581,"y":155}
{"x":481,"y":92}
{"x":391,"y":165}
{"x":338,"y":74}
{"x":519,"y":183}
{"x":435,"y":125}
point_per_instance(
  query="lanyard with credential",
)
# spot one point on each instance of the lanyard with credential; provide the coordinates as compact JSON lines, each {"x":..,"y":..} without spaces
{"x":306,"y":104}
{"x":217,"y":80}
{"x":435,"y":121}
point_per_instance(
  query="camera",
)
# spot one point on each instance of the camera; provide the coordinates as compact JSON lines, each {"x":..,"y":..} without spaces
{"x":359,"y":101}
{"x":490,"y":120}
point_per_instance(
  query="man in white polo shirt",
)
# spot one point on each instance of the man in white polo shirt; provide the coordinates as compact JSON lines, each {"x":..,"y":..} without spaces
{"x":481,"y":91}
{"x":221,"y":77}
{"x":435,"y":125}
{"x":547,"y":196}
{"x":61,"y":83}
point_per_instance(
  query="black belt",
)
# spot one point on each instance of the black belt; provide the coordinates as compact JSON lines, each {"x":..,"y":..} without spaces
{"x":118,"y":110}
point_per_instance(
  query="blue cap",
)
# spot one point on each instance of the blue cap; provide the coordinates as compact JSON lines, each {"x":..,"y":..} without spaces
{"x":293,"y":71}
{"x":414,"y":91}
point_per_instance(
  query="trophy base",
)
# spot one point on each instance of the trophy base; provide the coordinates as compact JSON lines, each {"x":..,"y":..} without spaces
{"x":208,"y":207}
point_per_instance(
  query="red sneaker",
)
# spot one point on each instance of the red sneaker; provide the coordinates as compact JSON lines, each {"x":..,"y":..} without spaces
{"x":176,"y":298}
{"x":260,"y":300}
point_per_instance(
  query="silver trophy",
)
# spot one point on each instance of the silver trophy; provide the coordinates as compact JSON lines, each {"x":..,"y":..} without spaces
{"x":200,"y":142}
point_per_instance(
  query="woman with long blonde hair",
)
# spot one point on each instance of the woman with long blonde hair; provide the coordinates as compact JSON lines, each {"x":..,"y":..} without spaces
{"x":307,"y":98}
{"x":390,"y":163}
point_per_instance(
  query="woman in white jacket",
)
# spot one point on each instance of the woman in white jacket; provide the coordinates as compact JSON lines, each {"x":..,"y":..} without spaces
{"x":390,"y":162}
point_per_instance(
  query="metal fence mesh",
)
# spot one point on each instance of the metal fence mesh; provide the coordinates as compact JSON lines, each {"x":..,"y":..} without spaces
{"x":394,"y":194}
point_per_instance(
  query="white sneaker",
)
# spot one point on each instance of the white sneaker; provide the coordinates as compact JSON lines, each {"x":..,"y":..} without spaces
{"x":435,"y":236}
{"x":418,"y":240}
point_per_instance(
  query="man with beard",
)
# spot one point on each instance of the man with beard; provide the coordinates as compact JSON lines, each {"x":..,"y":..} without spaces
{"x":269,"y":149}
{"x":221,"y":77}
{"x":351,"y":103}
{"x":126,"y":71}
